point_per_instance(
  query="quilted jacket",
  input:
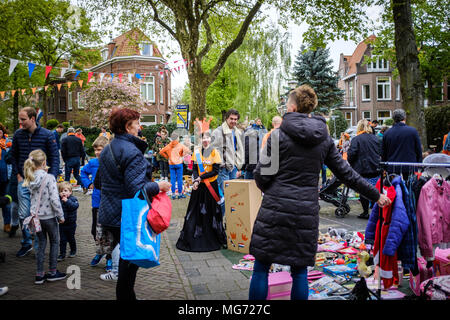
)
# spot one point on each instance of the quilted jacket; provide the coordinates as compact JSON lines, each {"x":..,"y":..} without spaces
{"x":286,"y":227}
{"x":122,"y":183}
{"x":399,"y":222}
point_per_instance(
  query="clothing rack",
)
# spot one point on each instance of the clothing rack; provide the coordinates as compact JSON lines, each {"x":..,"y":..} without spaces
{"x":383,"y":166}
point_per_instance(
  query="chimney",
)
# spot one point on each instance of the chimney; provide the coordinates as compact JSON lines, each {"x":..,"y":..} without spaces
{"x":111,"y":46}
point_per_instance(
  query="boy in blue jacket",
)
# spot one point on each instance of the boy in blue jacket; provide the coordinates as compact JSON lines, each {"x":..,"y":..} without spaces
{"x":69,"y":205}
{"x":87,"y":175}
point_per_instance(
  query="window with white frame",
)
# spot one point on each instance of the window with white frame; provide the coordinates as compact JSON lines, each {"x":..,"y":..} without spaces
{"x":81,"y":101}
{"x":398,"y":94}
{"x":146,"y":49}
{"x":366,"y":115}
{"x":348,"y":117}
{"x":365,"y":92}
{"x":383,"y":115}
{"x":162,"y":119}
{"x":69,"y":101}
{"x":161,"y":94}
{"x":148,"y":89}
{"x":383,"y":88}
{"x":104,"y":54}
{"x":350,"y":93}
{"x":378,"y":65}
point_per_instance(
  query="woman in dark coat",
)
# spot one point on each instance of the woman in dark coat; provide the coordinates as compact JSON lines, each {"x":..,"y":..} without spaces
{"x":122,"y":172}
{"x":364,"y":156}
{"x":286,"y":228}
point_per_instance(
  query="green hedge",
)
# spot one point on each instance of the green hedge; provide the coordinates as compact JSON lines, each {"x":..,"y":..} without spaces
{"x":436,"y":121}
{"x":148,"y":132}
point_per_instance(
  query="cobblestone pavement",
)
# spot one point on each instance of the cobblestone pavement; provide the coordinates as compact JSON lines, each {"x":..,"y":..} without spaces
{"x":181,"y":275}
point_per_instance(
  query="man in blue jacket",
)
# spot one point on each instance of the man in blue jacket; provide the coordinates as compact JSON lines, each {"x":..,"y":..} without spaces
{"x":31,"y":137}
{"x":401,"y":143}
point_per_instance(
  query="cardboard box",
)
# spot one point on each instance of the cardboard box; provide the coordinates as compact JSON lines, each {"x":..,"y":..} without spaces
{"x":242,"y":202}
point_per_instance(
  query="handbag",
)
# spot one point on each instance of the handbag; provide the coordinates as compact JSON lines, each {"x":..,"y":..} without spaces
{"x":32,"y":222}
{"x":139,"y":244}
{"x":160,"y":212}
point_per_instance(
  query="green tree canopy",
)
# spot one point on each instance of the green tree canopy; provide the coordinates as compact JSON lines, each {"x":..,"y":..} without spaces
{"x":314,"y":68}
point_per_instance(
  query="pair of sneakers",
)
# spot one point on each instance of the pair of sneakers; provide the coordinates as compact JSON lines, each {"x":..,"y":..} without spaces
{"x":96,"y":260}
{"x":50,"y":277}
{"x":61,"y":257}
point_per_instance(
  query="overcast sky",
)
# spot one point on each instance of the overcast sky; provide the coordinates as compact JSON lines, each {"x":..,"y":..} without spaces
{"x":336,"y":47}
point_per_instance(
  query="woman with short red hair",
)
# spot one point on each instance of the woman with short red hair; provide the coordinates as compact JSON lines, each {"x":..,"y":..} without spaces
{"x":122,"y":172}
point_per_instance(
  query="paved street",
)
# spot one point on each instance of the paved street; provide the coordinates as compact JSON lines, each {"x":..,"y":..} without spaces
{"x":181,"y":275}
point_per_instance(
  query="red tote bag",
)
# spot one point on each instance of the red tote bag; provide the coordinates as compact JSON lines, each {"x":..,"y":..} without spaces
{"x":160,"y":213}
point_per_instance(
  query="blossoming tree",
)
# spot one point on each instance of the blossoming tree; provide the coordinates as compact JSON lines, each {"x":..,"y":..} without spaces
{"x":101,"y":98}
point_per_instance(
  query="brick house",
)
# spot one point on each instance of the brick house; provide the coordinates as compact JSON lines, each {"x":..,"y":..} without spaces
{"x":130,"y":53}
{"x":371,"y":91}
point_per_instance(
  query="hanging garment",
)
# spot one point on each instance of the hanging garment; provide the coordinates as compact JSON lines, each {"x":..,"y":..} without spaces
{"x":407,"y":251}
{"x":394,"y":225}
{"x":433,"y":216}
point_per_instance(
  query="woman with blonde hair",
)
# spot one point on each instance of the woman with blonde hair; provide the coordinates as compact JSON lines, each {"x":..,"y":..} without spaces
{"x":46,"y":206}
{"x":364,"y":155}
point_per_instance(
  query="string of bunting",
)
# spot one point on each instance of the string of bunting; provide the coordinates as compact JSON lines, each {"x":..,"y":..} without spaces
{"x":91,"y":75}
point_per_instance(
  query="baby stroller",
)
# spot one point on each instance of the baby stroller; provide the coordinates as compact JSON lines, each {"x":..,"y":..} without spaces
{"x":331,"y":193}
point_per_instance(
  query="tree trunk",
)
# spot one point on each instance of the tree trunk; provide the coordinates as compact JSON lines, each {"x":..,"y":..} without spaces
{"x":199,"y":86}
{"x":412,"y":88}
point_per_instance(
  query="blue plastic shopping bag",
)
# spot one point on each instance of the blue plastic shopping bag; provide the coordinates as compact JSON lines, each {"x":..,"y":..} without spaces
{"x":138,"y":243}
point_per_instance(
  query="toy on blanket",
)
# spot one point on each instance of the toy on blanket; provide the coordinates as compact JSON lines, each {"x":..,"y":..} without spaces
{"x":363,"y":269}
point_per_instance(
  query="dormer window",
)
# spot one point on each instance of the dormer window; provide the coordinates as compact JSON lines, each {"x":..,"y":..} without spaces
{"x":104,"y":54}
{"x":146,"y":49}
{"x":378,"y":65}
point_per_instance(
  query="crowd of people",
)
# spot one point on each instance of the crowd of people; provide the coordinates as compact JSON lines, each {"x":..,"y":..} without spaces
{"x":285,"y":234}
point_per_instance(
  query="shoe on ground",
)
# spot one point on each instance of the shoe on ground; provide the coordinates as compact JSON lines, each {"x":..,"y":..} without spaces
{"x":182,"y":196}
{"x":39,"y":279}
{"x":364,"y":215}
{"x":96,"y":260}
{"x":108,"y":267}
{"x":2,"y":256}
{"x":56,"y":276}
{"x":174,"y":197}
{"x":7,"y":228}
{"x":61,"y":257}
{"x":13,"y":230}
{"x":73,"y":254}
{"x":110,"y":276}
{"x":23,"y":251}
{"x":3,"y":290}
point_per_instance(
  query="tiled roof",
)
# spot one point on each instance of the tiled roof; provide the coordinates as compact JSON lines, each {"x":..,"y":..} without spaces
{"x":357,"y":55}
{"x":127,"y":44}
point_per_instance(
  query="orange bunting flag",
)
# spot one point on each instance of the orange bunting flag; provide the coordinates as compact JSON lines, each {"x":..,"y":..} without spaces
{"x":2,"y":93}
{"x":33,"y":90}
{"x":13,"y":92}
{"x":59,"y":86}
{"x":47,"y":70}
{"x":90,"y":76}
{"x":23,"y":91}
{"x":69,"y":83}
{"x":45,"y":88}
{"x":80,"y":82}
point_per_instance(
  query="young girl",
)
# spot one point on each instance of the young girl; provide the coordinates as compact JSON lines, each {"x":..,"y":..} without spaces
{"x":46,"y":205}
{"x":203,"y":228}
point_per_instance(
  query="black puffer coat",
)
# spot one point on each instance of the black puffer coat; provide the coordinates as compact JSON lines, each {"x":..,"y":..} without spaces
{"x":364,"y":155}
{"x":286,"y":228}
